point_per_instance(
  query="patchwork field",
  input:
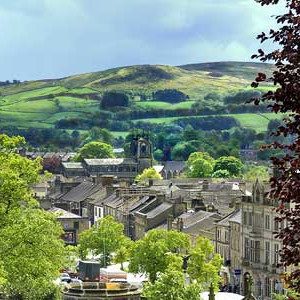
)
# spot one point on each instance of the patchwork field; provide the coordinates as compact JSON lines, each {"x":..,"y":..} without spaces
{"x":42,"y":103}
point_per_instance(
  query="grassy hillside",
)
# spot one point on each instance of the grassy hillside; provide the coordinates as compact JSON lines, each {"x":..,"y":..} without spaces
{"x":42,"y":103}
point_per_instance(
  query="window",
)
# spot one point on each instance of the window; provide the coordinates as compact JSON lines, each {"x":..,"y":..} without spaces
{"x":252,"y":250}
{"x":267,"y":253}
{"x":250,"y":219}
{"x":276,"y":254}
{"x":257,"y":251}
{"x":257,"y":196}
{"x":257,"y":220}
{"x":267,"y":287}
{"x":245,"y":218}
{"x":218,"y":234}
{"x":226,"y":237}
{"x":247,"y":249}
{"x":267,"y":221}
{"x":276,"y":225}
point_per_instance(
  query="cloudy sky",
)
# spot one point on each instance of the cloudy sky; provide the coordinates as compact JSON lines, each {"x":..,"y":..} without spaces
{"x":56,"y":38}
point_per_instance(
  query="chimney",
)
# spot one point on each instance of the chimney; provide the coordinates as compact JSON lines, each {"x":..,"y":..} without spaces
{"x":205,"y":185}
{"x":169,"y":222}
{"x":242,"y":186}
{"x":106,"y":180}
{"x":179,"y":224}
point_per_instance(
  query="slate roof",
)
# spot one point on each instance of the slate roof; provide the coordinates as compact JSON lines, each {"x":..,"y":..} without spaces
{"x":72,"y":165}
{"x":109,"y":161}
{"x":63,"y":214}
{"x":235,"y":216}
{"x":203,"y":223}
{"x":137,"y":204}
{"x":113,"y":201}
{"x":174,"y":166}
{"x":81,"y":192}
{"x":191,"y":218}
{"x":158,"y":210}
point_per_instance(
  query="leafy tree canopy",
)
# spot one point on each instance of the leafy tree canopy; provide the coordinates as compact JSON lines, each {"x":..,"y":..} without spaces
{"x":99,"y":134}
{"x":103,"y":239}
{"x":255,"y":172}
{"x":114,"y":99}
{"x":204,"y":265}
{"x":150,"y":254}
{"x":95,"y":150}
{"x":221,"y":174}
{"x":170,"y":95}
{"x":32,"y":251}
{"x":230,"y":163}
{"x":182,"y":150}
{"x":171,"y":285}
{"x":200,"y":164}
{"x":149,"y":173}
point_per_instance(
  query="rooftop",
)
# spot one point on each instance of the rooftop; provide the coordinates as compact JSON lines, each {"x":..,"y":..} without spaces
{"x":63,"y":214}
{"x":235,"y":216}
{"x":81,"y":192}
{"x":158,"y":210}
{"x":72,"y":165}
{"x":109,"y":161}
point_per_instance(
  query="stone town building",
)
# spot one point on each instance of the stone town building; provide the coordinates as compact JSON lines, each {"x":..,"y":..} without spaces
{"x":260,"y":248}
{"x":72,"y":224}
{"x":142,"y":208}
{"x":227,"y":244}
{"x":173,"y":169}
{"x":200,"y":223}
{"x":126,"y":168}
{"x":200,"y":194}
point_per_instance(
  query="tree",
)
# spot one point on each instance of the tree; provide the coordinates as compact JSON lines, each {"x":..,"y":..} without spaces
{"x":221,"y":174}
{"x":171,"y":285}
{"x":285,"y":187}
{"x":200,"y":164}
{"x":182,"y":150}
{"x":229,"y":163}
{"x":30,"y":258}
{"x":149,"y":173}
{"x":170,"y":95}
{"x":104,"y":239}
{"x":114,"y":99}
{"x":123,"y":253}
{"x":149,"y":254}
{"x":255,"y":172}
{"x":204,"y":265}
{"x":99,"y":134}
{"x":95,"y":150}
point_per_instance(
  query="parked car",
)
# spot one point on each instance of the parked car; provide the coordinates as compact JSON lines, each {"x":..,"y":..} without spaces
{"x":65,"y":277}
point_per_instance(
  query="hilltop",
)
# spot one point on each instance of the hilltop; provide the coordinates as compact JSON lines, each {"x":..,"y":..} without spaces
{"x":42,"y":103}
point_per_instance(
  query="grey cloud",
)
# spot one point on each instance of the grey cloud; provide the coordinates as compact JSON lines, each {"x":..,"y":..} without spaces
{"x":53,"y":38}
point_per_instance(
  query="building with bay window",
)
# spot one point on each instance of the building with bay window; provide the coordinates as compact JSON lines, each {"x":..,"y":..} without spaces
{"x":260,"y":248}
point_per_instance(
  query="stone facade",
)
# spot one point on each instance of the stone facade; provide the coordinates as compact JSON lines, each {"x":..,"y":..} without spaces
{"x":260,"y":248}
{"x":126,"y":168}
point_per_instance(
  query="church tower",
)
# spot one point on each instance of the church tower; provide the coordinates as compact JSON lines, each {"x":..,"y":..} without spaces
{"x":141,"y":150}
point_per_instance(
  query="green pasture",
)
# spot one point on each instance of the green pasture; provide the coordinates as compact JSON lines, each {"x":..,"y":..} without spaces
{"x":258,"y":122}
{"x":122,"y":134}
{"x":164,"y":105}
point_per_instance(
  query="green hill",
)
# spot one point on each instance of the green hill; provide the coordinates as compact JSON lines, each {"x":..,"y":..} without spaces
{"x":42,"y":103}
